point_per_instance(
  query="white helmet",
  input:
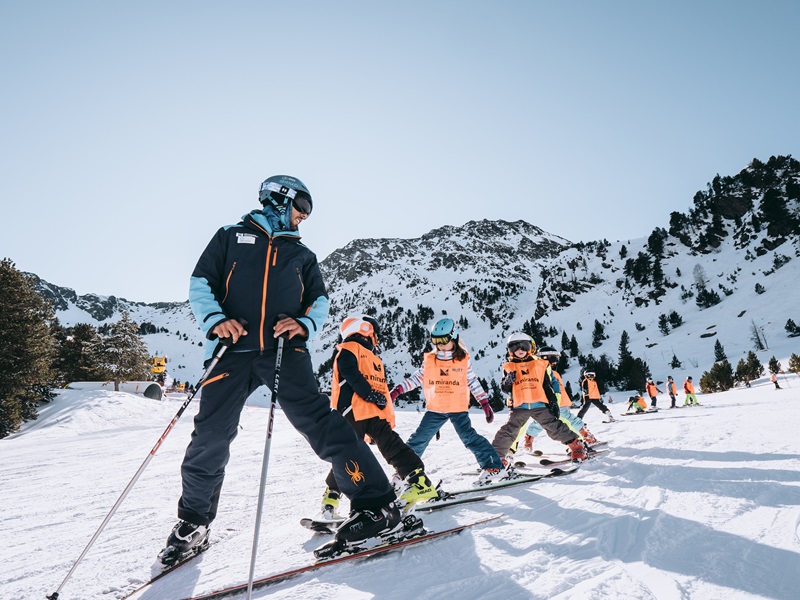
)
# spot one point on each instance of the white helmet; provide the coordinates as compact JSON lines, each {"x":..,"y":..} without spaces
{"x":361,"y":325}
{"x":519,"y":340}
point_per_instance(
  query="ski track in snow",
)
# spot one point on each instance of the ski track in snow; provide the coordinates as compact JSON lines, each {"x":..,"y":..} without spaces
{"x":693,"y":503}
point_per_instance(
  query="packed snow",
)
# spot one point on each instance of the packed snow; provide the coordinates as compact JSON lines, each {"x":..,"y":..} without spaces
{"x":697,"y":502}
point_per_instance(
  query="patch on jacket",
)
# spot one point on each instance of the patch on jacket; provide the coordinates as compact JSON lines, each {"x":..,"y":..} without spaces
{"x":245,"y":238}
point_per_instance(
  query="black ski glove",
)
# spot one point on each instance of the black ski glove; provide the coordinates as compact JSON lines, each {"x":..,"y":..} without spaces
{"x":555,"y":410}
{"x":509,"y":379}
{"x":377,"y":399}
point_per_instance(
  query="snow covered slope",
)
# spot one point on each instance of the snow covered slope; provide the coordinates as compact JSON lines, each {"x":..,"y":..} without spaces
{"x":699,"y":502}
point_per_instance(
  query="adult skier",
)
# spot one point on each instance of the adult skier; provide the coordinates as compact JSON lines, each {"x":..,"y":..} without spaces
{"x":447,"y":378}
{"x":591,"y":395}
{"x":529,"y":381}
{"x":652,"y":390}
{"x":360,"y":392}
{"x":248,"y":275}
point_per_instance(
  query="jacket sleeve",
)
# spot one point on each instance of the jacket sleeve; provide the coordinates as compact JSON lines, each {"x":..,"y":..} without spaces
{"x":207,"y":279}
{"x":474,"y":384}
{"x":347,"y":364}
{"x":547,"y":386}
{"x":315,"y":300}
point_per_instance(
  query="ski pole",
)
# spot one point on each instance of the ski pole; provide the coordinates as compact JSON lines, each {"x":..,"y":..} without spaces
{"x":265,"y":461}
{"x":225,"y":343}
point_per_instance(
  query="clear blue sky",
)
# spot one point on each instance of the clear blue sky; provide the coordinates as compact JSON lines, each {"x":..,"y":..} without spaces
{"x":131,"y":131}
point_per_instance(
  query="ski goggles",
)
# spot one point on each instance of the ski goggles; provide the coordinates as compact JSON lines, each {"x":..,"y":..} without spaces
{"x":520,"y":345}
{"x":281,"y":194}
{"x":441,"y":339}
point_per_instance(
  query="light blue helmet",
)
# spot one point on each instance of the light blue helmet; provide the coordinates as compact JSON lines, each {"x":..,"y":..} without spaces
{"x":443,"y":331}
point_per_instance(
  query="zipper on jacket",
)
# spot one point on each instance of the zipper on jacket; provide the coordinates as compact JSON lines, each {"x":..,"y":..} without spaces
{"x":302,"y":287}
{"x":264,"y":295}
{"x":228,"y":280}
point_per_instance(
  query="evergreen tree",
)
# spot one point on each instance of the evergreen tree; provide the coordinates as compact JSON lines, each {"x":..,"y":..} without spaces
{"x":598,"y":335}
{"x":663,"y":324}
{"x":574,"y":351}
{"x":774,"y":366}
{"x":675,"y":364}
{"x":564,"y":341}
{"x":791,"y":328}
{"x":719,"y":352}
{"x":125,"y":356}
{"x":754,"y":367}
{"x":563,"y":363}
{"x":718,"y":379}
{"x":794,"y":363}
{"x":26,"y":350}
{"x":79,"y":355}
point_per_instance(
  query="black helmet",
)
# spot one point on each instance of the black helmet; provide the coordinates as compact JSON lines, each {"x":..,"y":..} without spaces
{"x":548,"y":353}
{"x":280,"y":190}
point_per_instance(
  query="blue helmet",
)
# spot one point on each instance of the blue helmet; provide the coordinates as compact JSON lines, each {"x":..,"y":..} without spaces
{"x":282,"y":190}
{"x":443,"y":331}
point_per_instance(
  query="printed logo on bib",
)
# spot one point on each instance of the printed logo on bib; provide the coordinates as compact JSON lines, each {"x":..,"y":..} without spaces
{"x":245,"y":238}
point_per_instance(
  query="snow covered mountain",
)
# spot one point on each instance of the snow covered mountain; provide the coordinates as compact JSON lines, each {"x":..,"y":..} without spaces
{"x":721,"y":272}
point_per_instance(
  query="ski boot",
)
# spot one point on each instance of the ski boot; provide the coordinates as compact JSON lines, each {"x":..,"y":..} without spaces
{"x":489,"y":476}
{"x":186,"y":539}
{"x":528,"y":444}
{"x":330,"y":502}
{"x":418,"y":489}
{"x":587,"y":436}
{"x":367,"y":528}
{"x":577,"y":450}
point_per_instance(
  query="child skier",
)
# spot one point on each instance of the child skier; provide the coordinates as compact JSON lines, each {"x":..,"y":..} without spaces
{"x":447,"y":379}
{"x":591,"y":395}
{"x":652,"y":390}
{"x":564,"y":403}
{"x":671,"y":390}
{"x":688,"y":388}
{"x":360,"y":392}
{"x":529,"y":382}
{"x":637,"y":404}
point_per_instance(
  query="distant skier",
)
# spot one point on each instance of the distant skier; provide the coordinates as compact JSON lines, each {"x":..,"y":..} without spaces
{"x":688,"y":388}
{"x":636,"y":404}
{"x":672,"y":390}
{"x":359,"y":391}
{"x":774,"y":379}
{"x":591,"y":395}
{"x":447,"y":379}
{"x":652,"y":390}
{"x":530,"y":382}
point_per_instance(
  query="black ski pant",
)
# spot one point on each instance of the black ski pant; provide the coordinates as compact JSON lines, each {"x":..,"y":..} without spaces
{"x":236,"y":376}
{"x":672,"y":398}
{"x":653,"y":400}
{"x":390,"y":445}
{"x":587,"y":402}
{"x":508,"y":433}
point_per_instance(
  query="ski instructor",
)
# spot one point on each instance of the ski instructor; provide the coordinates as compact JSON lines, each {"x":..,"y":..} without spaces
{"x":249,"y":274}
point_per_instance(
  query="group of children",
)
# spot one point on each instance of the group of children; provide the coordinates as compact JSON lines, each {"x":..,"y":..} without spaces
{"x":638,"y":404}
{"x":536,"y":394}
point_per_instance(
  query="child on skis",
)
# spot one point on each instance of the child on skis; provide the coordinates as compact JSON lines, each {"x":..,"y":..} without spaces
{"x":591,"y":395}
{"x":564,"y":404}
{"x":671,"y":390}
{"x":688,"y":389}
{"x":652,"y":390}
{"x":636,"y":404}
{"x":529,"y":382}
{"x":447,"y":379}
{"x":360,"y":392}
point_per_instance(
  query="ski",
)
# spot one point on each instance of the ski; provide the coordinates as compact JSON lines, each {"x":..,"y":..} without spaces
{"x":516,"y":481}
{"x":164,"y":572}
{"x":521,"y":464}
{"x":321,"y":526}
{"x":383,"y":549}
{"x":454,"y":500}
{"x":546,"y":462}
{"x":644,"y":412}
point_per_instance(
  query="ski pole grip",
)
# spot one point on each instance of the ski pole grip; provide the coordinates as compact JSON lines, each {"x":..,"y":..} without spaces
{"x":281,"y":317}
